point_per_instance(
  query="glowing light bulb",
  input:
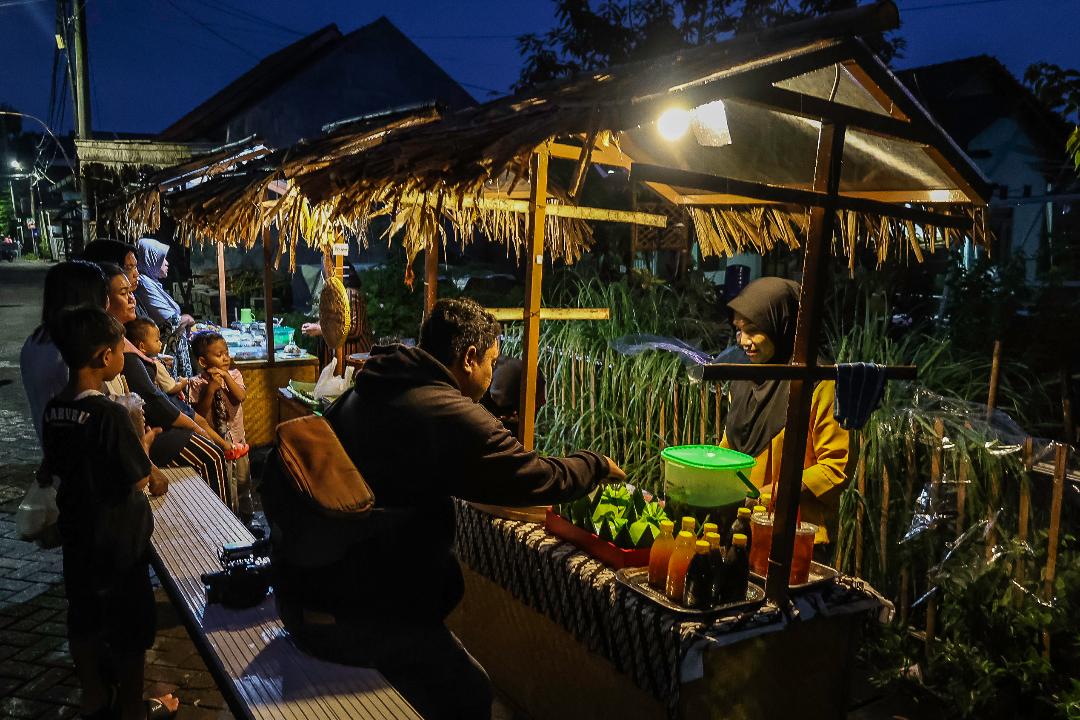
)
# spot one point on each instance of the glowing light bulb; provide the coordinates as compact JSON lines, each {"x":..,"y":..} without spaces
{"x":673,"y":123}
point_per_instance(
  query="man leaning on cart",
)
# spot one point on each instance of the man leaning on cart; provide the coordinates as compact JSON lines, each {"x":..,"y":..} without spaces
{"x":414,"y":430}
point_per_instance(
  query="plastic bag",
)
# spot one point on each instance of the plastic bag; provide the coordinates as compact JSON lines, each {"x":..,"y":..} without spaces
{"x":133,"y":403}
{"x":37,"y":512}
{"x":330,"y":385}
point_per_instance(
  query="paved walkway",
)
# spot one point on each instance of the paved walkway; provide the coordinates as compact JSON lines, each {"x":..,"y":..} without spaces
{"x":36,"y":675}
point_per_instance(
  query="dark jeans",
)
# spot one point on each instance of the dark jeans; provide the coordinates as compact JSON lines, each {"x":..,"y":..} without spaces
{"x":425,"y":663}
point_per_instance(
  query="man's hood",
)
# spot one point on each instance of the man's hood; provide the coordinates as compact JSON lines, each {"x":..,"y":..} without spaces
{"x":405,"y":366}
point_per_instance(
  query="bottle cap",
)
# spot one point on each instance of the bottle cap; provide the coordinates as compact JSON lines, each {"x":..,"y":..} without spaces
{"x":688,"y":522}
{"x":744,"y":512}
{"x":701,"y":547}
{"x":713,"y":539}
{"x":760,"y":508}
{"x":738,"y":539}
{"x":709,"y":527}
{"x":686,"y":534}
{"x":666,"y":526}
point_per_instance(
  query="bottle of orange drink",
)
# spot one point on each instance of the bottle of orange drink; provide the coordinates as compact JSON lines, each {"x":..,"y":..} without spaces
{"x":677,"y":565}
{"x":660,"y":554}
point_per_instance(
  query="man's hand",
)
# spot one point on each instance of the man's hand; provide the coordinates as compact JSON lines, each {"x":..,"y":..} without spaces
{"x":148,"y":438}
{"x":159,"y":484}
{"x":615,"y":473}
{"x":311,"y":329}
{"x":186,"y":321}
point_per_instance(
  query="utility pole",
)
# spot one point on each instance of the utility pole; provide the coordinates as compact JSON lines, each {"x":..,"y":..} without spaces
{"x":81,"y":91}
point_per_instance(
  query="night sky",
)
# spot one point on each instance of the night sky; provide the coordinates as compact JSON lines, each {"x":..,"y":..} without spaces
{"x":153,"y":60}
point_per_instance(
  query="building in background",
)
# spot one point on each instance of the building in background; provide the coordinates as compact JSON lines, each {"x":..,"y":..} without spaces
{"x":1019,"y":144}
{"x":320,"y":79}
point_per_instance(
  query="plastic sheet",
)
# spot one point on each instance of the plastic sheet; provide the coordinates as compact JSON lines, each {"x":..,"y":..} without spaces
{"x":637,"y":344}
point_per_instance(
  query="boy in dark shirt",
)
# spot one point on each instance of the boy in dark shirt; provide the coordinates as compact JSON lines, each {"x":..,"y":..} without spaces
{"x":105,"y":520}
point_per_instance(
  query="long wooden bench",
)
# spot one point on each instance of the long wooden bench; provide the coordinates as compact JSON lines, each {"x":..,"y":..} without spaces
{"x":260,"y":672}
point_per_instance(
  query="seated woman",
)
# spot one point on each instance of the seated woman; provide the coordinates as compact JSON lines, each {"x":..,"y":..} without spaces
{"x":764,"y":317}
{"x":160,"y":307}
{"x":181,"y":441}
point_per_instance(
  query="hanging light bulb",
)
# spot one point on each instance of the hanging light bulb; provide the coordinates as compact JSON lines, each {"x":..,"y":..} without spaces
{"x":673,"y":123}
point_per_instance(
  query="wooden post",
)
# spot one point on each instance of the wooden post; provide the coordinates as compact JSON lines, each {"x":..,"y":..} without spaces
{"x":268,"y":294}
{"x":860,"y":482}
{"x":431,"y":275}
{"x":223,"y":305}
{"x":995,"y":373}
{"x":883,"y":525}
{"x":830,"y":154}
{"x":534,"y":272}
{"x":1061,"y":467}
{"x":1024,"y":511}
{"x":339,"y":353}
{"x":936,"y":469}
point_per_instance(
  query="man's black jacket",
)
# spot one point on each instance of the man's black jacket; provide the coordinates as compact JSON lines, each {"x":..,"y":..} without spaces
{"x":418,"y":442}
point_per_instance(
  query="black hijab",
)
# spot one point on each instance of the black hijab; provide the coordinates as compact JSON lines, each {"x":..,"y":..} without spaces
{"x":758,"y":410}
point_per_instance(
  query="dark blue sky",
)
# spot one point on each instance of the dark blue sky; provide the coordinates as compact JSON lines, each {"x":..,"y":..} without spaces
{"x":151,"y":61}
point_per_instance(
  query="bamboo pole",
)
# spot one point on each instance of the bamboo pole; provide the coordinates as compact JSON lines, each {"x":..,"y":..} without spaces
{"x":1061,"y":464}
{"x":534,"y":270}
{"x":268,"y":295}
{"x":995,"y":375}
{"x":860,"y":481}
{"x":961,"y":494}
{"x":431,"y":275}
{"x":718,"y":418}
{"x":223,"y":305}
{"x":1024,"y":510}
{"x":339,"y":353}
{"x":936,"y":467}
{"x":704,"y":404}
{"x":883,"y":529}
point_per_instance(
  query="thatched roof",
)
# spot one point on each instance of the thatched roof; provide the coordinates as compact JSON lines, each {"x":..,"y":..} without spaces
{"x":776,"y":88}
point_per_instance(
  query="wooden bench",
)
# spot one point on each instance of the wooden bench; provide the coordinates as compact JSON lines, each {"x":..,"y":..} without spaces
{"x":260,"y":672}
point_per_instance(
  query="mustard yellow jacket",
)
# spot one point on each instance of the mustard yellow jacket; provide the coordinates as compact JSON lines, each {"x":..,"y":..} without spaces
{"x":824,"y":467}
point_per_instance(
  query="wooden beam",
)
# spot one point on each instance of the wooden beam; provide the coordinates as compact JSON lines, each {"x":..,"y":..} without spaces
{"x":268,"y":294}
{"x":830,"y":154}
{"x":1061,"y":466}
{"x":223,"y":305}
{"x":769,"y":371}
{"x":812,"y":198}
{"x":941,"y":196}
{"x":431,"y":275}
{"x":815,"y":108}
{"x":518,"y":314}
{"x":558,"y":210}
{"x":600,"y":155}
{"x":534,"y":272}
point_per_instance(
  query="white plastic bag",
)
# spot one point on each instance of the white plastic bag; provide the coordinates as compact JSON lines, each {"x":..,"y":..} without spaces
{"x":134,"y":405}
{"x":37,"y":512}
{"x":330,"y":385}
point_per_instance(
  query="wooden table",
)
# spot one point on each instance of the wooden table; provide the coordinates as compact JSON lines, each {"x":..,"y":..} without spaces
{"x":262,"y":380}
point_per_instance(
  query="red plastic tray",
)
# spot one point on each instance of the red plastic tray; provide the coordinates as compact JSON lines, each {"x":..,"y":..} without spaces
{"x":604,"y":551}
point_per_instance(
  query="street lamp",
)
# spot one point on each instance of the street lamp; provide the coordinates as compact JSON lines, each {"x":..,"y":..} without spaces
{"x":15,"y":165}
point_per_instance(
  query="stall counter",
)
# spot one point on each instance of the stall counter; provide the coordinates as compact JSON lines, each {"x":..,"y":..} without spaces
{"x":262,"y":380}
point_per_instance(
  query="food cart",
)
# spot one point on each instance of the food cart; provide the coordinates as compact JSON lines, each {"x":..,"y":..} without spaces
{"x":797,"y":136}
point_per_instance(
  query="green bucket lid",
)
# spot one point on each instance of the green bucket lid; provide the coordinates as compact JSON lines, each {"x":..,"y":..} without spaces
{"x":707,"y":457}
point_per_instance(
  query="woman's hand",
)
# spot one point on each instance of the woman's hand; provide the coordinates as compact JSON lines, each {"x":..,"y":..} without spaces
{"x":186,"y":321}
{"x":312,"y":329}
{"x":166,"y":360}
{"x":159,"y":484}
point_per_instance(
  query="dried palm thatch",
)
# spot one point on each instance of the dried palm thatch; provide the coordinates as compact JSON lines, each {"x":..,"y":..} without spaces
{"x":735,"y":229}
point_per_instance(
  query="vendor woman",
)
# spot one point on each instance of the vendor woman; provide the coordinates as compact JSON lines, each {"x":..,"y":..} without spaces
{"x":764,"y":315}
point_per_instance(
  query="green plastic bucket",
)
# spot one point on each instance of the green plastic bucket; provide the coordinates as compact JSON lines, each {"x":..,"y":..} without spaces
{"x":706,"y":476}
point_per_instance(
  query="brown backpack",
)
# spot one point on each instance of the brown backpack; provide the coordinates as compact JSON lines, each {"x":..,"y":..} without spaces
{"x":320,"y":468}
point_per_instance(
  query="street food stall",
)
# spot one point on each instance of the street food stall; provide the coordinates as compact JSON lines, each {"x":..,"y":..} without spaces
{"x":797,"y":136}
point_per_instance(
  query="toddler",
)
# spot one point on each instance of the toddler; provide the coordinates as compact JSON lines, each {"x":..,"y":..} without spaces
{"x":144,"y":334}
{"x":218,"y":393}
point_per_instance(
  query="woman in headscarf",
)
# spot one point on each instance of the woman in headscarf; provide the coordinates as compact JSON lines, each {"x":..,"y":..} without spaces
{"x":358,"y":339}
{"x":764,"y":315}
{"x":160,"y":306}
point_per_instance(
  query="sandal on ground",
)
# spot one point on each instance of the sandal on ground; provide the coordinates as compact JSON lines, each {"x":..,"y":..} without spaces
{"x":156,"y":710}
{"x":238,"y":451}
